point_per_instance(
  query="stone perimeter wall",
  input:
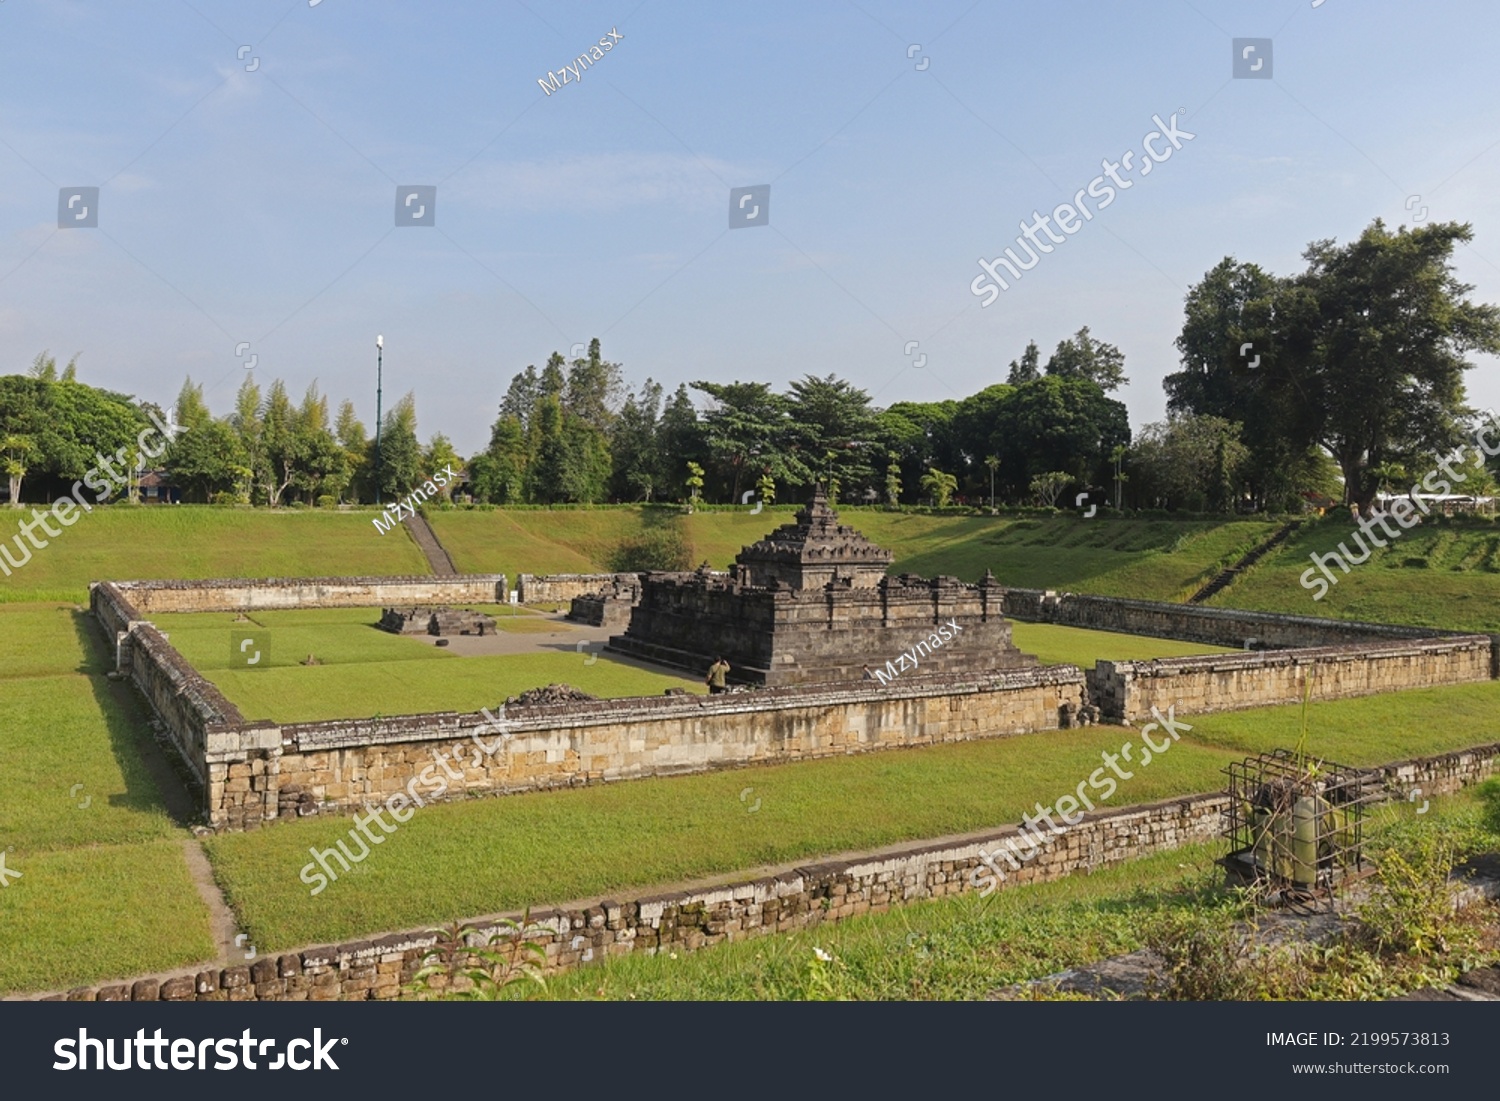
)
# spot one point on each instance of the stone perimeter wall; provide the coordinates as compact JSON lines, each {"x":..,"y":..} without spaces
{"x":345,"y":765}
{"x":1126,"y":691}
{"x":560,"y":588}
{"x":255,"y":772}
{"x":799,"y":899}
{"x":268,"y":594}
{"x":1195,"y":623}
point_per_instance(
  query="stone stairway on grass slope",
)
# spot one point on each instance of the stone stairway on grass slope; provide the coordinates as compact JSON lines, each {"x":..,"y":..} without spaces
{"x":1226,"y":577}
{"x":427,"y":540}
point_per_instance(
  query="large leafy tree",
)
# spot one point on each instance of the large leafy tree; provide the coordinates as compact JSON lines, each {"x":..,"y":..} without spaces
{"x":1083,"y":357}
{"x":1028,"y":367}
{"x":208,"y":458}
{"x":400,"y":455}
{"x":349,"y":430}
{"x":250,"y":429}
{"x":439,"y":454}
{"x":917,"y":436}
{"x":1056,"y":424}
{"x":67,"y":426}
{"x":593,"y":388}
{"x":285,"y":445}
{"x":638,"y":469}
{"x":521,"y":397}
{"x":1394,"y":326}
{"x":207,"y":461}
{"x":322,"y":466}
{"x":498,"y":474}
{"x":1191,"y":462}
{"x":746,"y":429}
{"x":836,"y":431}
{"x":1362,"y":355}
{"x":1245,"y":347}
{"x":680,"y":438}
{"x":586,"y":461}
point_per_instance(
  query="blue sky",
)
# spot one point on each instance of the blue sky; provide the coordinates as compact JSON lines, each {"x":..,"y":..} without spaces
{"x":259,"y":206}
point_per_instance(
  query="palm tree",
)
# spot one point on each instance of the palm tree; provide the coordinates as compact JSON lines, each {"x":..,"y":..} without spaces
{"x":939,"y":485}
{"x":16,"y":449}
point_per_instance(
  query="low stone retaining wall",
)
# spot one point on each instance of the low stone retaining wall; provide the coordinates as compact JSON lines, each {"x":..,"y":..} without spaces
{"x":250,"y":595}
{"x":798,"y":899}
{"x":560,"y":588}
{"x":1195,"y":623}
{"x":1126,"y":691}
{"x":345,"y":765}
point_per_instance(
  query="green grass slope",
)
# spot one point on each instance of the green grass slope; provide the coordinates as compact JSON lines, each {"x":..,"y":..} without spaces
{"x":122,"y":543}
{"x":1147,"y":559}
{"x":1440,"y":574}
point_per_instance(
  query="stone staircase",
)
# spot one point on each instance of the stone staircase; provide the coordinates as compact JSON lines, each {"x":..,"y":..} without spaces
{"x":427,"y":540}
{"x":1227,"y":577}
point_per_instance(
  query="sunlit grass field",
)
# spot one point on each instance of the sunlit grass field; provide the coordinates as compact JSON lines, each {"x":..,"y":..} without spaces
{"x":364,"y":671}
{"x":103,"y":888}
{"x":466,"y":858}
{"x":1435,"y":575}
{"x":1152,"y":559}
{"x":125,"y":543}
{"x":1054,"y":645}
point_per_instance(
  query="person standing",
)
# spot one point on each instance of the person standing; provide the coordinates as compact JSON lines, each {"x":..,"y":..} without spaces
{"x":716,"y":674}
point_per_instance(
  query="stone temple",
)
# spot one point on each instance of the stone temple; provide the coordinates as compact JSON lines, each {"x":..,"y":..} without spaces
{"x":812,"y":602}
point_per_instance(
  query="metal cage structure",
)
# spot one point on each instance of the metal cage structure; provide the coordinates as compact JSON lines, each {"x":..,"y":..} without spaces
{"x":1296,"y":822}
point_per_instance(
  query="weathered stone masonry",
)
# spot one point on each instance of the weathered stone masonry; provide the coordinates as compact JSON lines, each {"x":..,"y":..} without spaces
{"x":1126,"y":691}
{"x":799,"y":899}
{"x":1195,"y":623}
{"x":252,"y":772}
{"x":249,"y":595}
{"x":346,"y":764}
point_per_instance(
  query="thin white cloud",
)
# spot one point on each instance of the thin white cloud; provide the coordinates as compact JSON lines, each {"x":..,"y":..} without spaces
{"x":598,"y":182}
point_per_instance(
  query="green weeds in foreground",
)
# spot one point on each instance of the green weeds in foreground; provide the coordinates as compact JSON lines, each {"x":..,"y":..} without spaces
{"x":965,"y":947}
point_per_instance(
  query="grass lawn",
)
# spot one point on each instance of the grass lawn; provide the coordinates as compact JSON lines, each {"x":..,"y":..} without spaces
{"x":448,"y":683}
{"x":114,"y":911}
{"x":103,"y":889}
{"x":64,"y":740}
{"x":121,"y":543}
{"x":366,"y":671}
{"x":1054,"y":645}
{"x":1436,"y":575}
{"x":468,"y":858}
{"x":45,"y":640}
{"x":949,"y":949}
{"x":1148,"y":559}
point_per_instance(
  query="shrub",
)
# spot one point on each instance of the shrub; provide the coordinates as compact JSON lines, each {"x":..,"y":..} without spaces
{"x":1411,"y":912}
{"x":665,"y":547}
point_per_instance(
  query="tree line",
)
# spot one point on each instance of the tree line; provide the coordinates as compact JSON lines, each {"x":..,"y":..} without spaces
{"x":1341,"y":380}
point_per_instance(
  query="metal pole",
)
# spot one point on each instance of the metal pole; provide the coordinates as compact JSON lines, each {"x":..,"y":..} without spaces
{"x":379,"y":365}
